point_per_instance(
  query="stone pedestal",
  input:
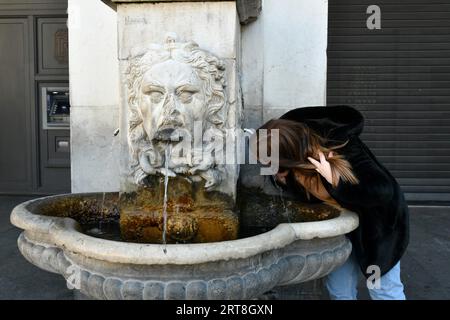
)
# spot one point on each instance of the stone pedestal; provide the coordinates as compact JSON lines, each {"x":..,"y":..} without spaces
{"x":193,"y":215}
{"x":179,"y":67}
{"x":243,"y":269}
{"x":214,"y":27}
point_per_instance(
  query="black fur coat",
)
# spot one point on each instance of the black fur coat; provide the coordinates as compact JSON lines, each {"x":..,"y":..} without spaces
{"x":383,"y":232}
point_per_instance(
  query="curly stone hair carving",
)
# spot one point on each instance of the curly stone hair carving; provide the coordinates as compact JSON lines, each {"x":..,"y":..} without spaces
{"x":210,"y":69}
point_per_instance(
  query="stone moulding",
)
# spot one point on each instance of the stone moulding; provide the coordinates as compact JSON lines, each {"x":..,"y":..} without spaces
{"x":248,"y":10}
{"x":238,"y":269}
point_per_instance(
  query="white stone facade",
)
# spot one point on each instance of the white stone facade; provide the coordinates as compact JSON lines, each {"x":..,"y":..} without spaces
{"x":143,"y":32}
{"x":94,"y":96}
{"x":283,"y":55}
{"x":284,"y":61}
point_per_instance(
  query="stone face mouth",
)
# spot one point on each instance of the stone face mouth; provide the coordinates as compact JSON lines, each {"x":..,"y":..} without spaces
{"x":166,"y":133}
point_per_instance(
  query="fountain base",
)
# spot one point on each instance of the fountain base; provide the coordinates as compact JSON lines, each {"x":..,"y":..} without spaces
{"x":245,"y":268}
{"x":197,"y":226}
{"x":193,"y":215}
{"x":243,"y":276}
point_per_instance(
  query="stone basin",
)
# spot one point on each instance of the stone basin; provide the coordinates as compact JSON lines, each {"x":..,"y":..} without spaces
{"x":245,"y":268}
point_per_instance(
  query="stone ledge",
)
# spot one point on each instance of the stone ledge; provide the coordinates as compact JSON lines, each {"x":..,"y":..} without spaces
{"x":236,"y":269}
{"x":63,"y":232}
{"x":248,"y":10}
{"x":286,"y":267}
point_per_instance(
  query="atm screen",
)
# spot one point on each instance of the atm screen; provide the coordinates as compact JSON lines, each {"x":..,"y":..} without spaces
{"x":57,"y":110}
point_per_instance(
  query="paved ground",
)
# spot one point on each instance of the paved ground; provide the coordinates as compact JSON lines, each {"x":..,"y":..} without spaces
{"x":425,"y":267}
{"x":18,"y":278}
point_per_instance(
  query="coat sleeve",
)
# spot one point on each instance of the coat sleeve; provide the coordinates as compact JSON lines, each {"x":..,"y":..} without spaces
{"x":375,"y":187}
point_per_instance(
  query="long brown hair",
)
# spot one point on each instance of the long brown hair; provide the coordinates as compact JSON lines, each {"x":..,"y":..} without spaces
{"x":297,"y":142}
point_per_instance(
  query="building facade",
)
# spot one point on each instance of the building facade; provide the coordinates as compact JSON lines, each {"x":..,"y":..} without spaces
{"x":34,"y":101}
{"x":296,"y":53}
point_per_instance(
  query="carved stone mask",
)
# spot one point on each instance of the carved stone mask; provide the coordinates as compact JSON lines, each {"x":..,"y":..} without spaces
{"x":172,"y":97}
{"x":174,"y":87}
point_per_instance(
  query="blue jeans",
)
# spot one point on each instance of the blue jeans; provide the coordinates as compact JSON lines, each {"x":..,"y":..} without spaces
{"x":342,"y":283}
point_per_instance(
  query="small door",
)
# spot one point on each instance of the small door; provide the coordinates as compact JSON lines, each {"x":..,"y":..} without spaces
{"x":54,"y":122}
{"x":53,"y":104}
{"x":16,"y":125}
{"x":34,"y":104}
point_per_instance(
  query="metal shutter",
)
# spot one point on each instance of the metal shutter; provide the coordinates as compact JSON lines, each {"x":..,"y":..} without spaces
{"x":399,"y":78}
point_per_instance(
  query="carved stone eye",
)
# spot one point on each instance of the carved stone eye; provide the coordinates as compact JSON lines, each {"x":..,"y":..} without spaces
{"x":186,"y":96}
{"x":156,"y":96}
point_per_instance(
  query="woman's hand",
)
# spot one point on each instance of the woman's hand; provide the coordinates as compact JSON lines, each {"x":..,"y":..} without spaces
{"x":323,"y":167}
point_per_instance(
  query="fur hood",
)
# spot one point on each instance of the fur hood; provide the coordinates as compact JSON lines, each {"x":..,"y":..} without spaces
{"x":334,"y":123}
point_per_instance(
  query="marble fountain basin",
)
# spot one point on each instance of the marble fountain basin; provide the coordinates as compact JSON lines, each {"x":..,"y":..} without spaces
{"x":236,"y":269}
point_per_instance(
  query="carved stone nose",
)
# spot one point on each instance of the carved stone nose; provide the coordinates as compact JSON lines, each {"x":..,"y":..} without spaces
{"x":174,"y":112}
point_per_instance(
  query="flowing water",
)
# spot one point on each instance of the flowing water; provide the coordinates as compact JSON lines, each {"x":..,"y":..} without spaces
{"x":97,"y":229}
{"x":283,"y":203}
{"x":102,"y":212}
{"x":102,"y":207}
{"x":166,"y":183}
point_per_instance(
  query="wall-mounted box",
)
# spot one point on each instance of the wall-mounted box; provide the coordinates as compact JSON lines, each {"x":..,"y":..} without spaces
{"x":55,"y":108}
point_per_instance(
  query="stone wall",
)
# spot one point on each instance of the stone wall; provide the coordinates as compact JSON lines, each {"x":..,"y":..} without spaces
{"x":283,"y":67}
{"x":94,"y":96}
{"x":284,"y":62}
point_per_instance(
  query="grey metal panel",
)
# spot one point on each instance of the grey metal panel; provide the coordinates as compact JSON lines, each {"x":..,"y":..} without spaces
{"x":409,"y":137}
{"x":406,"y":129}
{"x":407,"y":107}
{"x":58,"y":149}
{"x":418,"y":174}
{"x":19,"y":121}
{"x":399,"y":78}
{"x":369,"y":70}
{"x":16,"y":173}
{"x":425,"y":197}
{"x":54,"y":162}
{"x":52,"y":46}
{"x":411,"y":151}
{"x":54,"y":165}
{"x":9,"y":3}
{"x":32,"y":6}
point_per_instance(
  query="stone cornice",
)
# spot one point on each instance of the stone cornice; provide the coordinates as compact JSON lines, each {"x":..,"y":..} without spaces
{"x":248,"y":10}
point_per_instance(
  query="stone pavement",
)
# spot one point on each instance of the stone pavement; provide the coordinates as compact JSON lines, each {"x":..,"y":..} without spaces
{"x":425,"y":267}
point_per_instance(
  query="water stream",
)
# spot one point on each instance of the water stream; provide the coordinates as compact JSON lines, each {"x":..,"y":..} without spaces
{"x":166,"y":183}
{"x":97,"y":229}
{"x":102,"y":212}
{"x":283,"y":203}
{"x":102,"y":208}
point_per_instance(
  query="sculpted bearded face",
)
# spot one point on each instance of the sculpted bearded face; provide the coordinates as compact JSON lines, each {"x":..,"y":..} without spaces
{"x":172,"y":89}
{"x":172,"y":97}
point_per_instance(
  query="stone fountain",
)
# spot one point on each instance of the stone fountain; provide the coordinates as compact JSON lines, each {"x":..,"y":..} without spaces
{"x":179,"y":235}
